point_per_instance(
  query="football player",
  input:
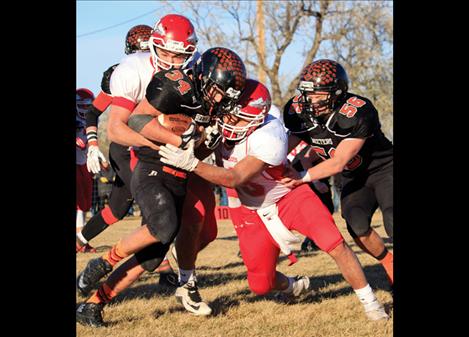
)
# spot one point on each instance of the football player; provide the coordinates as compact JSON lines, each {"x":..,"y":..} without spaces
{"x":254,"y":153}
{"x":84,"y":180}
{"x":344,"y":130}
{"x":159,"y":189}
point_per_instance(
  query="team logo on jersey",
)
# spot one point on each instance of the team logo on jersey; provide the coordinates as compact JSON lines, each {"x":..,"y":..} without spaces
{"x":327,"y":141}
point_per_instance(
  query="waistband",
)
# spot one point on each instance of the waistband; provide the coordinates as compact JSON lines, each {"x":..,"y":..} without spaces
{"x":174,"y":172}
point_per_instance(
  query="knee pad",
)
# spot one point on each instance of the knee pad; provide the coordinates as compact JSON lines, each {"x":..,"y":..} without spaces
{"x":260,"y":284}
{"x":120,"y":202}
{"x":358,"y":222}
{"x":388,"y":215}
{"x":151,"y":256}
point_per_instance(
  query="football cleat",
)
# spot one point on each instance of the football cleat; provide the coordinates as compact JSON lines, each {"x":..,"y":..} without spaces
{"x":300,"y":285}
{"x":94,"y":271}
{"x":90,"y":314}
{"x":376,"y":311}
{"x":309,"y":246}
{"x":188,"y":295}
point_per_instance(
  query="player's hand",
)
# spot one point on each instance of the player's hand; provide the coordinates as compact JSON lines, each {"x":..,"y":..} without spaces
{"x":188,"y":135}
{"x":80,"y":143}
{"x":177,"y":157}
{"x":94,"y":159}
{"x":291,"y":182}
{"x":213,"y":137}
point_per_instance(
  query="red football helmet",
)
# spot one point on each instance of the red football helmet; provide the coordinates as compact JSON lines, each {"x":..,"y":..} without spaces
{"x":253,"y":106}
{"x":137,"y":39}
{"x":84,"y":100}
{"x":174,"y":33}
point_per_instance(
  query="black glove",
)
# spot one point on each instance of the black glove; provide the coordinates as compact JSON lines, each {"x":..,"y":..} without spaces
{"x":213,"y":137}
{"x":190,"y":133}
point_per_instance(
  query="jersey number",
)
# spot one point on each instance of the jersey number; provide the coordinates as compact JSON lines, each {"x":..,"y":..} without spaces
{"x":176,"y":75}
{"x":349,"y":109}
{"x":351,"y":165}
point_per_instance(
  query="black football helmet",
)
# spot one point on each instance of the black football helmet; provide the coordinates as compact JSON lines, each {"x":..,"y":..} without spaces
{"x":323,"y":76}
{"x":222,"y":69}
{"x":137,"y":39}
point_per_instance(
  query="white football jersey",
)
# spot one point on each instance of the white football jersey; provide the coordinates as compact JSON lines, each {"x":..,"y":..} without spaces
{"x":131,"y":77}
{"x":268,"y":143}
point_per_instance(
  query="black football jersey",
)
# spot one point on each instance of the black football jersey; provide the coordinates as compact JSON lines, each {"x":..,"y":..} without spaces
{"x":356,"y":118}
{"x":170,"y":92}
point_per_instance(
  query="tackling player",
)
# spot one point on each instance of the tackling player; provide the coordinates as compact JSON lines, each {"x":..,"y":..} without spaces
{"x":253,"y":155}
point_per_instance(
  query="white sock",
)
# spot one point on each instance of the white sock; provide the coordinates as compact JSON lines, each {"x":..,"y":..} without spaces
{"x":367,"y":297}
{"x":80,"y":218}
{"x":289,"y":289}
{"x":82,"y":238}
{"x":186,"y":275}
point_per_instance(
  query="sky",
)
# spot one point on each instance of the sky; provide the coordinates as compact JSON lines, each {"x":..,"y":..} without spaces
{"x":101,"y":30}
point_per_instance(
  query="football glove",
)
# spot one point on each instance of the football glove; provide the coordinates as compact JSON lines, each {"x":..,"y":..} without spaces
{"x":93,"y":159}
{"x":177,"y":157}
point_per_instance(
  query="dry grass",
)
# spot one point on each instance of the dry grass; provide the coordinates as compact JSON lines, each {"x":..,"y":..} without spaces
{"x":146,"y":309}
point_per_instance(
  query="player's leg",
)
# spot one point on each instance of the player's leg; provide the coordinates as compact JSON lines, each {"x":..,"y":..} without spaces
{"x":120,"y":199}
{"x":358,"y":205}
{"x":197,"y":228}
{"x":296,"y":211}
{"x":161,"y":203}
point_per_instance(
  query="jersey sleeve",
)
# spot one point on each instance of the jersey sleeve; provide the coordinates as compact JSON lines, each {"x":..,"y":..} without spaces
{"x":125,"y":86}
{"x":367,"y":123}
{"x":269,"y":144}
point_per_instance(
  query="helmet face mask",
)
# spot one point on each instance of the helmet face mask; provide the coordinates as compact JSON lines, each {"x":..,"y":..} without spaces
{"x":84,"y":100}
{"x":137,"y":39}
{"x":175,"y":34}
{"x":324,"y":78}
{"x":250,"y":112}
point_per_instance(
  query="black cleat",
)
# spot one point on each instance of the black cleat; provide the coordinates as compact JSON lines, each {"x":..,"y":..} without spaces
{"x":308,"y":245}
{"x":169,"y":279}
{"x":94,"y":271}
{"x":90,"y":314}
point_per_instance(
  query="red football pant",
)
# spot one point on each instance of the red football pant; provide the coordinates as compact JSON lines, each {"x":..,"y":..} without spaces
{"x":199,"y":208}
{"x":84,"y":181}
{"x":299,"y":210}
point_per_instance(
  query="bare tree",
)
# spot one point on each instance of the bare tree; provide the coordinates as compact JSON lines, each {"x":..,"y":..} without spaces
{"x":358,"y":34}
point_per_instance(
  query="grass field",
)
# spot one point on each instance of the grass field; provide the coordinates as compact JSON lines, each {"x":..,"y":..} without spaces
{"x":147,"y":309}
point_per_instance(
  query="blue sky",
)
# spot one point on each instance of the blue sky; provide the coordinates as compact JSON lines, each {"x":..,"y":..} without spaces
{"x":101,"y":30}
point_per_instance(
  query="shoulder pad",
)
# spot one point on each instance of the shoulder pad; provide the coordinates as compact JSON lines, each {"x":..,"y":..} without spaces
{"x":356,"y":113}
{"x":173,"y":92}
{"x":106,"y":80}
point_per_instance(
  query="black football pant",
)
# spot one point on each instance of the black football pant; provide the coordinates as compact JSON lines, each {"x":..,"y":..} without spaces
{"x":362,"y":195}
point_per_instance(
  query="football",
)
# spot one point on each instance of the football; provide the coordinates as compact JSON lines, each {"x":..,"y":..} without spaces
{"x":177,"y":123}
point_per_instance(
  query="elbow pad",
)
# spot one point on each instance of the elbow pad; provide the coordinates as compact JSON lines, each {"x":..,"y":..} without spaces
{"x":137,"y":122}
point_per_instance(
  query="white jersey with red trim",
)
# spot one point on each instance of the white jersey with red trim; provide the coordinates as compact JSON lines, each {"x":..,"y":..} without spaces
{"x":268,"y":143}
{"x":130,"y":79}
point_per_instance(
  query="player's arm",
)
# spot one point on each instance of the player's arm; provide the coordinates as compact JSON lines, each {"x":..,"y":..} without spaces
{"x":344,"y":152}
{"x":293,"y":142}
{"x":232,"y":178}
{"x":143,"y":120}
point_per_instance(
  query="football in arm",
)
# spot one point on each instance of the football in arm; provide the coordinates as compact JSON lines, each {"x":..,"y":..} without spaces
{"x":177,"y":123}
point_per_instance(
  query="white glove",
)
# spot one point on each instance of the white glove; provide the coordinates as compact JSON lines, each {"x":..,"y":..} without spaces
{"x":177,"y":157}
{"x":93,"y":159}
{"x":213,"y":137}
